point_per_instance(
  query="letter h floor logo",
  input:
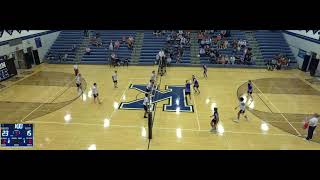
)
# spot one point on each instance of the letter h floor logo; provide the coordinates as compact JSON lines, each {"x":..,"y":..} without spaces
{"x":175,"y":95}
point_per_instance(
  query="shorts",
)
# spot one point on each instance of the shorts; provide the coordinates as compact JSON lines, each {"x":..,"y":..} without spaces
{"x":95,"y":95}
{"x":78,"y":85}
{"x":145,"y":107}
{"x":196,"y":86}
{"x":148,"y":90}
{"x":187,"y":93}
{"x":242,"y":111}
{"x":214,"y":121}
{"x":249,"y":92}
{"x":115,"y":81}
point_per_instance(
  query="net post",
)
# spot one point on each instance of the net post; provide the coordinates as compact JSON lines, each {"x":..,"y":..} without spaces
{"x":150,"y":125}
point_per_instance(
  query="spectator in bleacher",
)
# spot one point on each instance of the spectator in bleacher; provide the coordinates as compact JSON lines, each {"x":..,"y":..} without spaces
{"x":180,"y":50}
{"x":86,"y":33}
{"x":115,"y":61}
{"x":161,"y":55}
{"x":223,"y":33}
{"x":200,"y":37}
{"x":238,"y":48}
{"x":202,"y":51}
{"x":97,"y":35}
{"x":117,"y":44}
{"x":65,"y":57}
{"x":73,"y":48}
{"x":207,"y":50}
{"x":232,"y":60}
{"x":88,"y":51}
{"x":123,"y":39}
{"x":225,"y":44}
{"x":93,"y":40}
{"x":178,"y":57}
{"x":219,"y":46}
{"x":130,"y":42}
{"x":220,"y":59}
{"x":219,"y":37}
{"x":98,"y":42}
{"x":183,"y":41}
{"x":111,"y":46}
{"x":226,"y":59}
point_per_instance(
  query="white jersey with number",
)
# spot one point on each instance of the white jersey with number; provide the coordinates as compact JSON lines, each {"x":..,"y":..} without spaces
{"x":114,"y":77}
{"x":145,"y":101}
{"x":153,"y":77}
{"x":94,"y":90}
{"x":242,"y":106}
{"x":78,"y":80}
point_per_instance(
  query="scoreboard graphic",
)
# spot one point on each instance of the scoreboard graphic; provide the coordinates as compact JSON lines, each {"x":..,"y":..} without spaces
{"x":4,"y":72}
{"x":16,"y":135}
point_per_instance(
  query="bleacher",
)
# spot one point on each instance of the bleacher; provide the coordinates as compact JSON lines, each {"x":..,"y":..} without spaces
{"x":235,"y":34}
{"x":272,"y":43}
{"x":153,"y":44}
{"x":64,"y":43}
{"x":100,"y":55}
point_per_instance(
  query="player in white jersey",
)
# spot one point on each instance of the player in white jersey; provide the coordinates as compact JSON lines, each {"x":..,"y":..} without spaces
{"x":153,"y":76}
{"x":78,"y":82}
{"x":242,"y":106}
{"x":95,"y":93}
{"x":76,"y":70}
{"x":146,"y":104}
{"x":115,"y":79}
{"x":150,"y":87}
{"x":205,"y":71}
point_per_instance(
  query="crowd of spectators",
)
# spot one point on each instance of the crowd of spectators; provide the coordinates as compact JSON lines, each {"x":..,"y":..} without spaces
{"x":278,"y":62}
{"x":212,"y":44}
{"x":176,"y":43}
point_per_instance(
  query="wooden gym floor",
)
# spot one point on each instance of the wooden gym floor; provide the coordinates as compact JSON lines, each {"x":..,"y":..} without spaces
{"x":66,"y":120}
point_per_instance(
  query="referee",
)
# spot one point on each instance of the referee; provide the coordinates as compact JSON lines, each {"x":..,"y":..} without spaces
{"x":312,"y":125}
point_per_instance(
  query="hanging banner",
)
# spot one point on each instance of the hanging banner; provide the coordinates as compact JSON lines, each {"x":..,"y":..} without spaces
{"x":38,"y":42}
{"x":9,"y":31}
{"x":314,"y":34}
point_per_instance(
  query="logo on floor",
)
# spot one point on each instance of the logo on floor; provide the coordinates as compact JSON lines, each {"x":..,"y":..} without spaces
{"x":175,"y":95}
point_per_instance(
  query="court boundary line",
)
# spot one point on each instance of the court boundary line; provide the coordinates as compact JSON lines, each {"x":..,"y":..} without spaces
{"x":173,"y":129}
{"x":299,"y":134}
{"x":196,"y":110}
{"x":115,"y":109}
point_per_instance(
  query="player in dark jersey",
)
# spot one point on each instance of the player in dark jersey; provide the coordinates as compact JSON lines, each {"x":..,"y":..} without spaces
{"x":250,"y":89}
{"x":195,"y":84}
{"x":188,"y":89}
{"x":215,"y":119}
{"x":205,"y":70}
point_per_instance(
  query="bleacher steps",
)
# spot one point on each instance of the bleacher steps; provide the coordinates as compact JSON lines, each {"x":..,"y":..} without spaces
{"x":194,"y":48}
{"x":136,"y":53}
